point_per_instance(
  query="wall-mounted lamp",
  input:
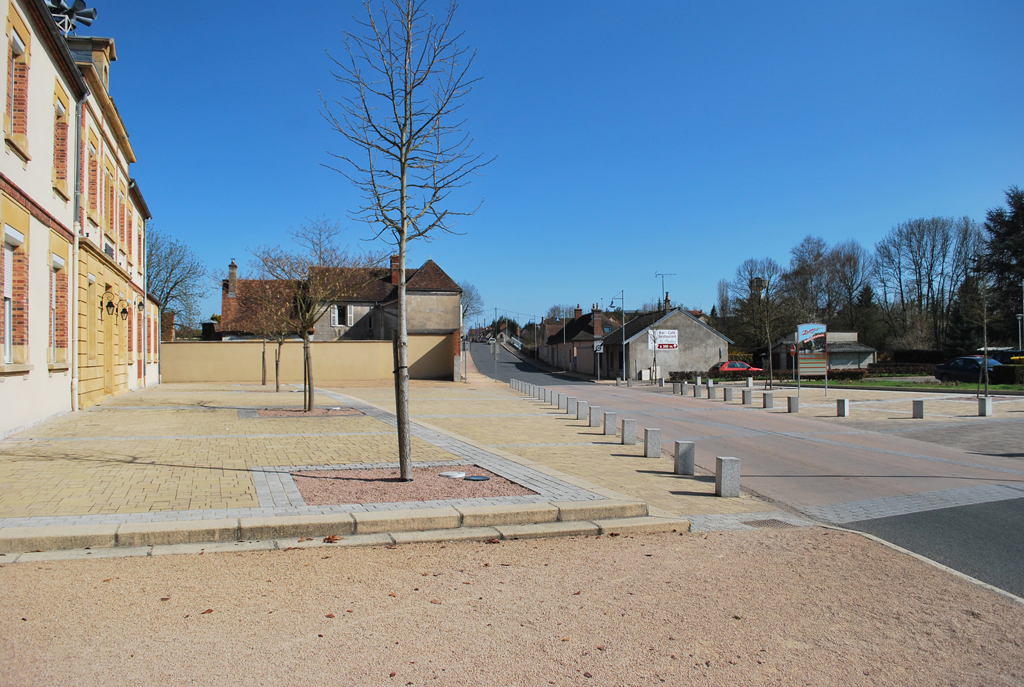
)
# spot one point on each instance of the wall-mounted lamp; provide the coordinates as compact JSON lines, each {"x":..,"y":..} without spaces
{"x":122,"y":305}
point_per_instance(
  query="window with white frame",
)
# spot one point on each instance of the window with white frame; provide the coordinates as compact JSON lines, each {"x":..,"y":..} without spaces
{"x":334,"y":315}
{"x":350,"y":316}
{"x":8,"y":302}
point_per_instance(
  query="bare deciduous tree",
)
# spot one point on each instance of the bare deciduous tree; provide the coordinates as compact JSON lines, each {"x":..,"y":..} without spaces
{"x":175,"y":276}
{"x":266,"y":309}
{"x":406,"y":77}
{"x":317,"y":275}
{"x":472,"y":302}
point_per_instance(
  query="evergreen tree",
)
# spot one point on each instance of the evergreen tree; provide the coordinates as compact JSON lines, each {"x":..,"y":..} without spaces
{"x":1004,"y":244}
{"x":965,"y":335}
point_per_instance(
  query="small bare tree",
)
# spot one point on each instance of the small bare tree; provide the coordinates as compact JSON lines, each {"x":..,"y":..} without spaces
{"x":406,"y":76}
{"x":266,"y":309}
{"x":317,"y":275}
{"x":175,"y":276}
{"x":472,"y":301}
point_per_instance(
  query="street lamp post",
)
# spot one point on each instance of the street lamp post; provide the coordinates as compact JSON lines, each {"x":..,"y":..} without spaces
{"x":622,"y":303}
{"x":760,"y":284}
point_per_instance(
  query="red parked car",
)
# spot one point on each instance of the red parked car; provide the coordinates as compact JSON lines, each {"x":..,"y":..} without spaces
{"x":734,"y":366}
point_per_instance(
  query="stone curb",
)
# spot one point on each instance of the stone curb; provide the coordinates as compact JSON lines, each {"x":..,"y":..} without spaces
{"x":397,"y":524}
{"x":542,"y":530}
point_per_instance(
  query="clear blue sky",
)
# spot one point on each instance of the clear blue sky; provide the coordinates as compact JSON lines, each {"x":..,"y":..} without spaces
{"x":632,"y":138}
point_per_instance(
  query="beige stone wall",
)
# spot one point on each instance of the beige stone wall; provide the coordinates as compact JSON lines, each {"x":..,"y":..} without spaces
{"x":430,"y":357}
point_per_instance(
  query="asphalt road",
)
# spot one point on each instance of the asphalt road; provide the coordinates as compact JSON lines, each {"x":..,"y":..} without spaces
{"x":822,"y":468}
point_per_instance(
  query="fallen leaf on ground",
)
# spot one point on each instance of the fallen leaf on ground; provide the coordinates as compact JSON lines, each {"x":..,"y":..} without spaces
{"x":329,"y":615}
{"x":434,"y":601}
{"x":208,"y":610}
{"x":331,"y":539}
{"x":393,"y":594}
{"x":165,"y":598}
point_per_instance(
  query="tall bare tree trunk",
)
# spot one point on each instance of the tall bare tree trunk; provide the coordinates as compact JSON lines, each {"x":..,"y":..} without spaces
{"x":402,"y":372}
{"x":277,"y":368}
{"x":264,"y":362}
{"x":307,"y":369}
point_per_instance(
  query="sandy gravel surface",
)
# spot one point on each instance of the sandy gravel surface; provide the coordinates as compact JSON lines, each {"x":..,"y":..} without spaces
{"x":789,"y":607}
{"x":334,"y":487}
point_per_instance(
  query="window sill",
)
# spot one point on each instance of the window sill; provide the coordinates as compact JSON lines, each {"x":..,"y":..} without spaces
{"x":58,"y":367}
{"x":93,"y":217}
{"x":15,"y":369}
{"x":19,"y":143}
{"x":61,"y":187}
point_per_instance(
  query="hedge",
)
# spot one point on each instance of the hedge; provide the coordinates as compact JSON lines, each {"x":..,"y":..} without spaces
{"x":1007,"y":374}
{"x":900,"y":369}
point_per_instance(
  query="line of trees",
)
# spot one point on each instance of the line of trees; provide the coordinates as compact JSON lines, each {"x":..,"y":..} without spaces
{"x":929,"y":284}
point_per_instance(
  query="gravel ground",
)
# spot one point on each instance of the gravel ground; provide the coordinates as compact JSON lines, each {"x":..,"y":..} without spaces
{"x":789,"y":607}
{"x":334,"y":487}
{"x":300,"y":413}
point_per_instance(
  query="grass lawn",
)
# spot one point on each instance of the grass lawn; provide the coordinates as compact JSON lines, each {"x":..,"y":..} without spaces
{"x":903,"y":384}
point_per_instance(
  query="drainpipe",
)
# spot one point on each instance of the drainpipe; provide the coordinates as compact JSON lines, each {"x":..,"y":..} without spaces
{"x":76,"y":227}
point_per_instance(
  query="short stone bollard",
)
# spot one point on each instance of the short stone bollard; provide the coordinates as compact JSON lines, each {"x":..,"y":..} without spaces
{"x":709,"y":383}
{"x":618,"y":381}
{"x":727,"y":394}
{"x":595,"y":416}
{"x":843,"y":407}
{"x":712,"y":392}
{"x":675,"y":388}
{"x":793,"y":404}
{"x":570,"y":405}
{"x":629,"y":383}
{"x":985,"y":407}
{"x":581,"y":410}
{"x":661,"y":382}
{"x":684,"y":389}
{"x":750,"y":382}
{"x":918,"y":409}
{"x":628,"y":432}
{"x":727,"y":477}
{"x":748,"y":396}
{"x":684,"y":458}
{"x":610,"y":425}
{"x":652,"y":442}
{"x":562,"y":398}
{"x":698,"y":391}
{"x":768,"y":399}
{"x":540,"y":393}
{"x":698,"y":380}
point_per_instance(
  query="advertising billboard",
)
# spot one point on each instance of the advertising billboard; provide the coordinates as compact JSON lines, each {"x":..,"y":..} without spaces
{"x":662,"y":340}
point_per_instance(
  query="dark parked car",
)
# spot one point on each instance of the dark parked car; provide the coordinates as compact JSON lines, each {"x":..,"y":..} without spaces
{"x":962,"y":369}
{"x":1008,"y":357}
{"x":734,"y":366}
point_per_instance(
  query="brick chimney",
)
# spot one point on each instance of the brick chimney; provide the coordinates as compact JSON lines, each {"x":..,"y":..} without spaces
{"x":579,"y":312}
{"x":596,"y":316}
{"x":394,"y":269}
{"x":668,"y":303}
{"x":232,"y":279}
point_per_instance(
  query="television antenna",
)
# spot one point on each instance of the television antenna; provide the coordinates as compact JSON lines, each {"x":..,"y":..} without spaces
{"x":67,"y":18}
{"x":663,"y":275}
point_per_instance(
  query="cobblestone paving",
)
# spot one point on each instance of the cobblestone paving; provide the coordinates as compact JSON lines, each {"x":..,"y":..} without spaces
{"x":856,"y":511}
{"x":181,"y":452}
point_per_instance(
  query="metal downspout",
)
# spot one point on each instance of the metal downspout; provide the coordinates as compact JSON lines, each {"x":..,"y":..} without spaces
{"x":76,"y":227}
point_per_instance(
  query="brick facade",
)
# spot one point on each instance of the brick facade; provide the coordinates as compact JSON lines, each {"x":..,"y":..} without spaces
{"x":61,"y":310}
{"x":19,"y":298}
{"x":60,"y":149}
{"x":18,"y":101}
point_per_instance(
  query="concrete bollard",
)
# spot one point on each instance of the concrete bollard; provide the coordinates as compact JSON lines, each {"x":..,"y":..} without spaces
{"x":768,"y":399}
{"x":610,"y":425}
{"x":661,"y":382}
{"x":793,"y":404}
{"x":748,"y":396}
{"x":581,"y":410}
{"x":618,"y":381}
{"x":562,"y":398}
{"x":750,"y":382}
{"x":629,"y":383}
{"x":684,"y":458}
{"x":918,"y":409}
{"x":712,"y":392}
{"x":652,"y":442}
{"x":570,"y":405}
{"x":595,"y":416}
{"x":709,"y":383}
{"x":727,"y":477}
{"x":675,"y":388}
{"x":985,"y":407}
{"x":727,"y":394}
{"x":698,"y":391}
{"x":843,"y":407}
{"x":628,"y":432}
{"x":698,"y":380}
{"x":540,"y":393}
